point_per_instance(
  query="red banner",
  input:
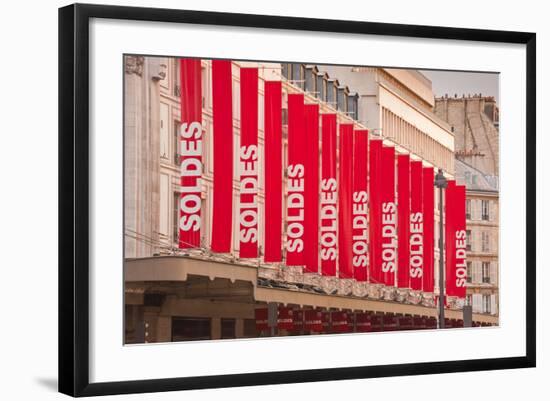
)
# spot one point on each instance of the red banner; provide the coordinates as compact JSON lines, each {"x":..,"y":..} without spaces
{"x":455,"y":236}
{"x":345,"y":202}
{"x":329,"y":196}
{"x":313,"y":320}
{"x":273,"y":176}
{"x":360,"y":245}
{"x":261,"y":319}
{"x":429,"y":226}
{"x":284,"y":318}
{"x":222,"y":209}
{"x":389,"y":322}
{"x":363,"y":323}
{"x":416,"y":239}
{"x":190,"y":151}
{"x":403,"y":219}
{"x":388,"y":235}
{"x":340,"y":323}
{"x":248,"y":153}
{"x":311,"y":217}
{"x":325,"y":318}
{"x":375,"y":211}
{"x":295,"y":181}
{"x":297,"y":321}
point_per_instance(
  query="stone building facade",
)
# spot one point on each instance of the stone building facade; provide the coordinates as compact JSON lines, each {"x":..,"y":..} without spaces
{"x":482,"y":232}
{"x":474,"y":121}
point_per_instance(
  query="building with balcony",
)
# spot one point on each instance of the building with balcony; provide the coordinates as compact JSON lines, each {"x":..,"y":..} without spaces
{"x":482,"y":224}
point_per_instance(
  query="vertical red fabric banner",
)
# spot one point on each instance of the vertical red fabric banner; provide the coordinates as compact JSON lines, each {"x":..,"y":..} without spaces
{"x":448,"y":216}
{"x":311,"y":217}
{"x":455,"y":237}
{"x":375,"y":212}
{"x":329,"y":196}
{"x":222,"y":210}
{"x":273,"y":171}
{"x":248,"y":155}
{"x":403,"y":219}
{"x":260,"y":315}
{"x":313,"y":320}
{"x":360,"y":245}
{"x":340,"y":322}
{"x":296,"y":173}
{"x":416,"y":228}
{"x":388,"y":233}
{"x":429,"y":227}
{"x":345,"y":231}
{"x":460,"y":242}
{"x":190,"y":151}
{"x":285,"y":320}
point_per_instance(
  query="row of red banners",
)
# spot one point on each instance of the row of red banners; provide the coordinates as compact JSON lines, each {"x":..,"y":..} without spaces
{"x":318,"y":321}
{"x":353,"y":208}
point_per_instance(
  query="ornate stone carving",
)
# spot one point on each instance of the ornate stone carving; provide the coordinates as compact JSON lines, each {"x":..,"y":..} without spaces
{"x":415,"y":297}
{"x":374,"y":291}
{"x":359,"y":289}
{"x":345,"y":286}
{"x":329,"y":284}
{"x":428,"y":300}
{"x":134,"y":65}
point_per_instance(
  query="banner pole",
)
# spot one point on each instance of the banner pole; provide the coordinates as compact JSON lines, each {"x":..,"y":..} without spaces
{"x":441,"y":183}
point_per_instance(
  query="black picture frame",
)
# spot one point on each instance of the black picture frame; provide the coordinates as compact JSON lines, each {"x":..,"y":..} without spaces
{"x":74,"y":194}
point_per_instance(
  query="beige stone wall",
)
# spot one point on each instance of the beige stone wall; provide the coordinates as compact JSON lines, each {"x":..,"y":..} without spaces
{"x":475,"y":125}
{"x":484,"y":250}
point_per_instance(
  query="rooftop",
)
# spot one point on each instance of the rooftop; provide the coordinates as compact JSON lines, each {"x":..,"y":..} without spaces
{"x":474,"y":179}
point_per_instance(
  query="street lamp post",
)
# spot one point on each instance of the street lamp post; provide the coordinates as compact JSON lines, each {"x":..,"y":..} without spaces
{"x":441,"y":183}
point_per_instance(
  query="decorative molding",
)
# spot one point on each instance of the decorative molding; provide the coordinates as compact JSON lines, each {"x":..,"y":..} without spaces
{"x":134,"y":65}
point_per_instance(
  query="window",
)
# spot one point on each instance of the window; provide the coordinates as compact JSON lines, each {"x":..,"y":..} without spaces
{"x":285,"y":71}
{"x":485,"y":274}
{"x":297,"y":75}
{"x":485,"y":241}
{"x":321,"y":87}
{"x":311,"y":81}
{"x":176,"y":143}
{"x":176,"y":77}
{"x":353,"y":106}
{"x":331,"y":98}
{"x":228,"y":328}
{"x":468,"y":240}
{"x":176,"y":217}
{"x":468,"y":209}
{"x":468,"y":272}
{"x":164,"y":141}
{"x":469,"y":299}
{"x":486,"y":304}
{"x":468,"y":177}
{"x":190,"y":328}
{"x":342,"y":99}
{"x":485,"y":210}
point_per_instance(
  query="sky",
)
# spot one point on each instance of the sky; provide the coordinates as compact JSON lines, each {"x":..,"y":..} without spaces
{"x":451,"y":82}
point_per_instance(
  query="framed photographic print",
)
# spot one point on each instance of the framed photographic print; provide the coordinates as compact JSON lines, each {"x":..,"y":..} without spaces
{"x":250,"y":199}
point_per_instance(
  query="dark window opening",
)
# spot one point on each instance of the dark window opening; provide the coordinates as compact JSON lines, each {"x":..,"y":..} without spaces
{"x":190,"y":328}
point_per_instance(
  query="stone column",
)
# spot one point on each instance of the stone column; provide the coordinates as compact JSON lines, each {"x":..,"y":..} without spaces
{"x":239,"y":328}
{"x":164,"y":329}
{"x":150,"y":318}
{"x":216,"y":328}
